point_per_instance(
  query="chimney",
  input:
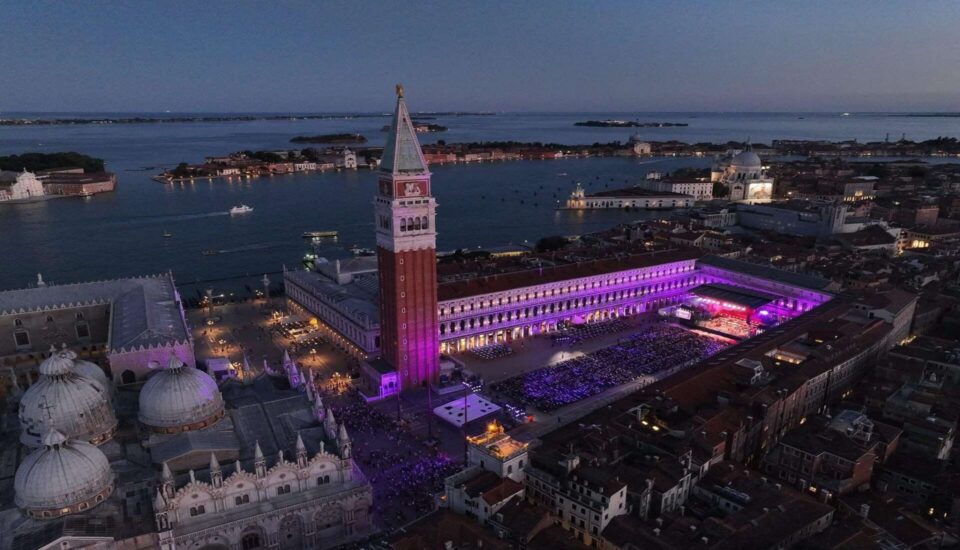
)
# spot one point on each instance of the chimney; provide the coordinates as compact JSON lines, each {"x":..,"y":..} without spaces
{"x":656,"y":531}
{"x":864,"y":511}
{"x":705,"y":540}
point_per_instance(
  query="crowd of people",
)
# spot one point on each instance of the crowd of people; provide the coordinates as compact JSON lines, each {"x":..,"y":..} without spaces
{"x":410,"y":486}
{"x":406,"y":475}
{"x":656,"y":347}
{"x":575,"y":334}
{"x":492,"y":351}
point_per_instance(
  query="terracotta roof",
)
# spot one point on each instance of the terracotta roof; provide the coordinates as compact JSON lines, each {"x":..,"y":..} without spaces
{"x":502,"y":491}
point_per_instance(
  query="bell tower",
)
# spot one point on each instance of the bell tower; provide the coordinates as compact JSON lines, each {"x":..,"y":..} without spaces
{"x":406,"y":253}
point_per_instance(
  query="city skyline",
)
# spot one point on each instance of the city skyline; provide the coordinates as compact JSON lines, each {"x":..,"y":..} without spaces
{"x":606,"y":57}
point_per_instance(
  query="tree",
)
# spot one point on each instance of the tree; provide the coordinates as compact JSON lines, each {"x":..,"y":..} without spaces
{"x":720,"y":190}
{"x":34,"y":162}
{"x":878,"y":171}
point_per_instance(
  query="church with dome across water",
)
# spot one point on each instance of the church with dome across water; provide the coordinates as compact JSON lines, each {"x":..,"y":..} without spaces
{"x":743,"y":174}
{"x":178,"y":462}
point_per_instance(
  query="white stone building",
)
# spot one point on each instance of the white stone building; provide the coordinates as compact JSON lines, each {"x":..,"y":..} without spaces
{"x":745,"y":177}
{"x":19,"y":186}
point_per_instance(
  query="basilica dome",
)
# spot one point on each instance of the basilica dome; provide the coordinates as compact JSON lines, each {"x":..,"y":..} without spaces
{"x":62,"y":477}
{"x":746,"y":160}
{"x":179,"y":399}
{"x":93,"y":372}
{"x":67,"y":401}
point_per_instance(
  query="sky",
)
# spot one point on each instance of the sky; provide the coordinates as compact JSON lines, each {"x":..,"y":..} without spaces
{"x":242,"y":56}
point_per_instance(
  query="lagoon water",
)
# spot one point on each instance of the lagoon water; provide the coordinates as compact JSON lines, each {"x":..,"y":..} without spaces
{"x":121,"y":234}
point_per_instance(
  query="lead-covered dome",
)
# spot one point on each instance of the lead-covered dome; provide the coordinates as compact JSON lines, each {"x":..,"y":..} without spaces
{"x":93,"y":372}
{"x":66,"y":401}
{"x":62,"y":477}
{"x":179,"y":399}
{"x":746,"y":159}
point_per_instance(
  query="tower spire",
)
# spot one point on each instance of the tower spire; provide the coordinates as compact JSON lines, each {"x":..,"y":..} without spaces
{"x":402,"y":154}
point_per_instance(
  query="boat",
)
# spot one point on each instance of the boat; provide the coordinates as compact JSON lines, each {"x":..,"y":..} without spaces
{"x":242,"y":209}
{"x":210,"y":252}
{"x":357,"y":251}
{"x":167,"y":234}
{"x":319,"y":234}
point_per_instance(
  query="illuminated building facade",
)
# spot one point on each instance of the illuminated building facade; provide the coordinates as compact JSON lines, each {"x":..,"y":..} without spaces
{"x":406,"y":256}
{"x":504,"y":307}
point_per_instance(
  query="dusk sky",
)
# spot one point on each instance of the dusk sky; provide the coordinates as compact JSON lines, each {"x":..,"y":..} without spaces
{"x":217,"y":56}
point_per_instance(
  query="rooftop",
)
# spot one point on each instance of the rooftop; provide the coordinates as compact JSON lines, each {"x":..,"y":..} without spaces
{"x":766,"y":272}
{"x":145,"y":311}
{"x":633,"y":192}
{"x":734,"y":295}
{"x":550,"y":274}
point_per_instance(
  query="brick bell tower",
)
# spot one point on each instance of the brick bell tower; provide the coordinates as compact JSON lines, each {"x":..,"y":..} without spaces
{"x":407,"y":252}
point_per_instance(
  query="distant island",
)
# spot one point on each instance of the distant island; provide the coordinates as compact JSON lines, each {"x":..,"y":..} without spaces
{"x":172,"y":119}
{"x":330,"y":138}
{"x":421,"y":128}
{"x":36,"y":162}
{"x":628,"y":124}
{"x":161,"y":119}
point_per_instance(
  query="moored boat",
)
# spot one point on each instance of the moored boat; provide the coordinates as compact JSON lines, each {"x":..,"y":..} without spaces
{"x":319,"y":234}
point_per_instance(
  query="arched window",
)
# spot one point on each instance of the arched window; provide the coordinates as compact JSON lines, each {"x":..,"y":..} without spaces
{"x":425,"y":224}
{"x":403,"y":224}
{"x":250,"y":541}
{"x":79,"y":316}
{"x":17,"y":323}
{"x":416,"y":223}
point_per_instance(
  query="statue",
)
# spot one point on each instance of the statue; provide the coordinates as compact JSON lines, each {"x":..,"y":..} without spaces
{"x":399,"y":90}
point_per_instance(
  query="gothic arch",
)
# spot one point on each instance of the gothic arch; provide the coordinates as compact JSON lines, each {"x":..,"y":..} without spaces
{"x":329,"y":521}
{"x":291,"y":532}
{"x":253,"y":538}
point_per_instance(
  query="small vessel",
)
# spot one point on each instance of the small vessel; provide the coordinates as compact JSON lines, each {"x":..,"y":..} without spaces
{"x":167,"y":234}
{"x":210,"y":252}
{"x":358,"y":251}
{"x":242,"y":209}
{"x":319,"y":234}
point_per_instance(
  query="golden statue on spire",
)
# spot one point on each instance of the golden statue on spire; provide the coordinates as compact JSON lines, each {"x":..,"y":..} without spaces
{"x":399,"y":90}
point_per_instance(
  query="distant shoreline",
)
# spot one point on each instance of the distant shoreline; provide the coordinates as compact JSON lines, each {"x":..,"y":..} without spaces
{"x":628,"y":124}
{"x":61,"y":121}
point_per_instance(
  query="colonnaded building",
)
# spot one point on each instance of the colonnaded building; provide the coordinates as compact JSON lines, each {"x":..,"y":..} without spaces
{"x":400,"y":310}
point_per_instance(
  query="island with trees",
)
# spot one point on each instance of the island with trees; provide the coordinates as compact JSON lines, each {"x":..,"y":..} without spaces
{"x":421,"y":127}
{"x":37,"y":162}
{"x":331,"y":138}
{"x":628,"y":124}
